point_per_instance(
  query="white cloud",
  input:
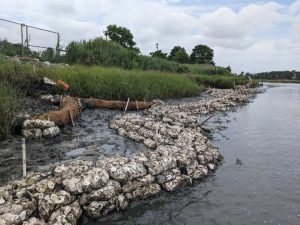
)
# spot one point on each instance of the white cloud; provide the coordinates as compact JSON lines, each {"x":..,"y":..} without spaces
{"x":250,"y":38}
{"x":295,"y":7}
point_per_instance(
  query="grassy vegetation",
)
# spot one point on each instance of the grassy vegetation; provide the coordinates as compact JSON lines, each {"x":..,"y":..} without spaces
{"x":106,"y":83}
{"x":108,"y":53}
{"x":219,"y":81}
{"x":207,"y":69}
{"x":8,"y":104}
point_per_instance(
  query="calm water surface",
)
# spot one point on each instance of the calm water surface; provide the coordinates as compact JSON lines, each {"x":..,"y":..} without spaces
{"x":265,"y":189}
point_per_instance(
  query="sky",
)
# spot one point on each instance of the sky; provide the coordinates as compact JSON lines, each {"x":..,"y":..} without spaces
{"x":250,"y":36}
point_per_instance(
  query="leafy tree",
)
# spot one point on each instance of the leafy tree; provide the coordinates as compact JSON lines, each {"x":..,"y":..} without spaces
{"x":179,"y":54}
{"x":202,"y":54}
{"x":48,"y":54}
{"x":159,"y":54}
{"x":121,"y":35}
{"x":228,"y":68}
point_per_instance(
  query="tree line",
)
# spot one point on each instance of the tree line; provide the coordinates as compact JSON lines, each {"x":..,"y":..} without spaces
{"x":277,"y":75}
{"x":201,"y":54}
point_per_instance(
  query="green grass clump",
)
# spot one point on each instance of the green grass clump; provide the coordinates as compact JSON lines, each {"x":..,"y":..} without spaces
{"x":219,"y":81}
{"x":8,"y":108}
{"x":103,"y":82}
{"x":118,"y":84}
{"x":207,"y":69}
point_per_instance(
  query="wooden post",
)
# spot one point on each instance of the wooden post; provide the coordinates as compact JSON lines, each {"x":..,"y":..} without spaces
{"x":156,"y":133}
{"x":71,"y":116}
{"x":126,"y":105}
{"x":137,"y":105}
{"x":33,"y":68}
{"x":78,"y":102}
{"x":234,"y":84}
{"x":60,"y":101}
{"x":24,"y":156}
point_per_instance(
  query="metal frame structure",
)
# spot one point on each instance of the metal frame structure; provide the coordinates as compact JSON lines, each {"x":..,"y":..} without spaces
{"x":26,"y":42}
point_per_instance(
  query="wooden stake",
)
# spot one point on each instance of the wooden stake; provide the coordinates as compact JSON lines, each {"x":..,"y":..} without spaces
{"x":137,"y":105}
{"x":70,"y":114}
{"x":126,"y":105}
{"x":60,"y":101}
{"x":24,"y":156}
{"x":48,"y":118}
{"x":201,"y":124}
{"x":78,"y":102}
{"x":33,"y":68}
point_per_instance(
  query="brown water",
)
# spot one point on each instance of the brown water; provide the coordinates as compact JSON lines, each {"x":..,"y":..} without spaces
{"x":265,"y":189}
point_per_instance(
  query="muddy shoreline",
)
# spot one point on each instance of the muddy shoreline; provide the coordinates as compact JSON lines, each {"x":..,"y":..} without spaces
{"x":90,"y":139}
{"x":179,"y":152}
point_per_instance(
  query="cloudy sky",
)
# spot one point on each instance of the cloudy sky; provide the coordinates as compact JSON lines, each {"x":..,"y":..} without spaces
{"x":250,"y":36}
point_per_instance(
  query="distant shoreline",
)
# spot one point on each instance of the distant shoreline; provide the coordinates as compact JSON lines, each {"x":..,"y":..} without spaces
{"x":281,"y":81}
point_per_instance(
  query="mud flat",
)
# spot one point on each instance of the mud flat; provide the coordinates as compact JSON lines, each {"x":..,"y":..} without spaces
{"x":178,"y":153}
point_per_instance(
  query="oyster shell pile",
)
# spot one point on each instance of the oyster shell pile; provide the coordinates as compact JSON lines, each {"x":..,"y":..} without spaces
{"x":39,"y":128}
{"x":179,"y":153}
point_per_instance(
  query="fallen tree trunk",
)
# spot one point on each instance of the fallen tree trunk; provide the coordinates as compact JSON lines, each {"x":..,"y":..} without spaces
{"x":69,"y":111}
{"x":99,"y":103}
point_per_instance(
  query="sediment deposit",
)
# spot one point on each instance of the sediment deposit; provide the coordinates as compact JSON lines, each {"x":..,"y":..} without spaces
{"x":178,"y":153}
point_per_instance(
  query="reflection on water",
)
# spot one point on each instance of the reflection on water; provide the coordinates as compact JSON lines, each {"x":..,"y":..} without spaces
{"x":264,"y":189}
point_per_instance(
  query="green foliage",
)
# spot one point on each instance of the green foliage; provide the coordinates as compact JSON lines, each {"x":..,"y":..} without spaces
{"x":122,"y":36}
{"x":202,"y":54}
{"x":10,"y":49}
{"x":107,"y":83}
{"x":159,"y":54}
{"x":228,"y":68}
{"x":108,"y":53}
{"x":277,"y":75}
{"x":8,"y":105}
{"x":100,"y":52}
{"x":179,"y":54}
{"x":207,"y":69}
{"x":218,"y":81}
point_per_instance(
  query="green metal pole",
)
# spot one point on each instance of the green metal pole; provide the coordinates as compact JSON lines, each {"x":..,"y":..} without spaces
{"x":27,"y":37}
{"x":22,"y":40}
{"x":57,"y":45}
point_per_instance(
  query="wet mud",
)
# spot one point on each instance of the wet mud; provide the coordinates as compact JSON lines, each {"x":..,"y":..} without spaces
{"x":90,"y":139}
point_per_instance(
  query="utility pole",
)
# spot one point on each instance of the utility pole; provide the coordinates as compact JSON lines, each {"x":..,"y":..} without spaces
{"x":156,"y":46}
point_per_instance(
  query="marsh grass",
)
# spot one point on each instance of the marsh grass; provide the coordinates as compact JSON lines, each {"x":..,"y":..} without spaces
{"x":104,"y":82}
{"x":207,"y":69}
{"x":219,"y":81}
{"x":8,"y":108}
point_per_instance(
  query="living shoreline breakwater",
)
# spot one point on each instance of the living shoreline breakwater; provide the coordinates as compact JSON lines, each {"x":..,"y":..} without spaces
{"x":178,"y":153}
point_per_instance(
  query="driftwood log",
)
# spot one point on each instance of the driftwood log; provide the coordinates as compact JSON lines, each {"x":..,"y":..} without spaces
{"x":134,"y":105}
